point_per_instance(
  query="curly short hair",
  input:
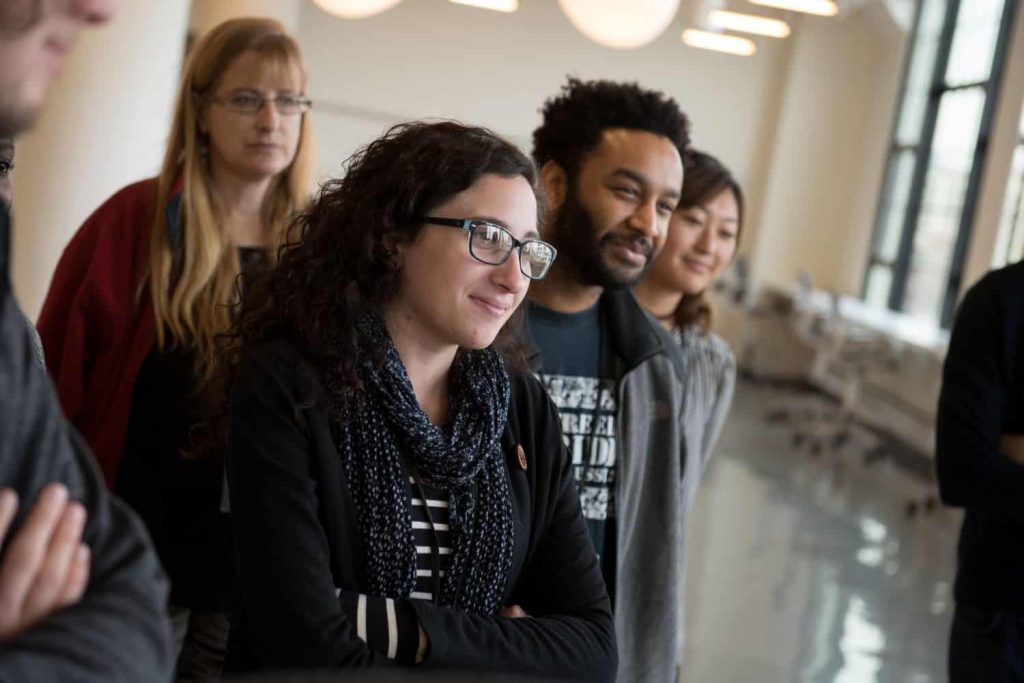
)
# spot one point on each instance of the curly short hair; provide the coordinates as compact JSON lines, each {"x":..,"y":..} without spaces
{"x":575,"y":119}
{"x":340,"y":258}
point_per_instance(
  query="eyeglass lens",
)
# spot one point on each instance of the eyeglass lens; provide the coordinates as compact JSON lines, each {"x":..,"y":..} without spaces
{"x":251,"y":103}
{"x":536,"y":258}
{"x":491,"y":244}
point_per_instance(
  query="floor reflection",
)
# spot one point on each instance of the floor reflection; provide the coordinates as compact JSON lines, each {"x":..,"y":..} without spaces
{"x":806,"y":569}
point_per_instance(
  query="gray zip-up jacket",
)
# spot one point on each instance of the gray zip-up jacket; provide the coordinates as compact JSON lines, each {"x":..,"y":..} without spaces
{"x":119,"y":630}
{"x":650,"y":494}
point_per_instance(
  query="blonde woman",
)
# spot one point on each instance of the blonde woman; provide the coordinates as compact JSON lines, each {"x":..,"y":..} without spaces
{"x":142,"y":293}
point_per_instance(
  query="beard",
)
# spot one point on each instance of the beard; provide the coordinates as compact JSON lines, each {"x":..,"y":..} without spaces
{"x":573,"y":234}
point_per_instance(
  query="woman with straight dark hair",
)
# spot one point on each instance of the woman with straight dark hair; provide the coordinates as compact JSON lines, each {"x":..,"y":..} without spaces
{"x":702,"y":239}
{"x":399,"y":486}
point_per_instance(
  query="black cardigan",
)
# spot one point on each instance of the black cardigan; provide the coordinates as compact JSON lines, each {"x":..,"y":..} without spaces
{"x":983,"y":398}
{"x":297,"y":540}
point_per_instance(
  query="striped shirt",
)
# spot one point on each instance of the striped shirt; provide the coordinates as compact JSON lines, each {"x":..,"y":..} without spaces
{"x":430,"y":533}
{"x":391,"y":626}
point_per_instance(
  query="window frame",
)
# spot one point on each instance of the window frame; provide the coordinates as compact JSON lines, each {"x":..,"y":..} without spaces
{"x":900,"y":266}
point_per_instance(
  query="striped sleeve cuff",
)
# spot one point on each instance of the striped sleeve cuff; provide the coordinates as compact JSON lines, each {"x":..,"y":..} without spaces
{"x":388,"y":626}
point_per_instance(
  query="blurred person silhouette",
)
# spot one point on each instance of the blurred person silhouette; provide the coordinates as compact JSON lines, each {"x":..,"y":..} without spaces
{"x":81,"y":592}
{"x":979,"y":458}
{"x":611,"y":166}
{"x":399,"y":486}
{"x":148,"y":284}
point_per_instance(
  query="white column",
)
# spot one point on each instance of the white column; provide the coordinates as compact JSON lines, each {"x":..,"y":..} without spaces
{"x":208,"y":13}
{"x":104,"y":125}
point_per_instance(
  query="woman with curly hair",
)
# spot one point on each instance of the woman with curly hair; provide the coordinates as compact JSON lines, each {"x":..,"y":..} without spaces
{"x":148,"y":285}
{"x":399,"y":487}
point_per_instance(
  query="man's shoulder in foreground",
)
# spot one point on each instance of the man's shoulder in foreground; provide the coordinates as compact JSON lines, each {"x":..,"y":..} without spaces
{"x":118,"y":631}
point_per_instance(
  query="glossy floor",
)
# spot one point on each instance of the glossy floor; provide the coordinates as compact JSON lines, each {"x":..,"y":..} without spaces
{"x":805,"y":569}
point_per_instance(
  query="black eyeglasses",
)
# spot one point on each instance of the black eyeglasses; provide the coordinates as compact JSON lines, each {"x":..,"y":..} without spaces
{"x":492,"y":244}
{"x":251,"y":102}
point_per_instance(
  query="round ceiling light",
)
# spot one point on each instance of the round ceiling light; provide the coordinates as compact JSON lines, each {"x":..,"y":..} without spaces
{"x":355,"y":9}
{"x":620,"y":24}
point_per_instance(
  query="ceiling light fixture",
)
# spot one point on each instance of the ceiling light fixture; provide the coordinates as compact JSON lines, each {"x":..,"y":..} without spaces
{"x":709,"y":40}
{"x":355,"y":9}
{"x":823,"y":8}
{"x":748,"y":23}
{"x":496,"y":5}
{"x":620,"y":24}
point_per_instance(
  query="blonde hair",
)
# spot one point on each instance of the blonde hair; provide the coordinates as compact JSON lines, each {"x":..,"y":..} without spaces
{"x":192,"y":277}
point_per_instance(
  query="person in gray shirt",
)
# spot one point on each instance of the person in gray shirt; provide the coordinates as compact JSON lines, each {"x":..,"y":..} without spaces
{"x":82,"y":596}
{"x":703,"y":235}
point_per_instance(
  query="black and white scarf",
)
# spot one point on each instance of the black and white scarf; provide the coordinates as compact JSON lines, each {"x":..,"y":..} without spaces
{"x":385,"y":427}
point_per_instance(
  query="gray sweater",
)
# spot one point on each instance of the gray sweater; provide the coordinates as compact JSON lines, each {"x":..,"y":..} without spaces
{"x":710,"y":381}
{"x":671,"y":408}
{"x":118,"y":631}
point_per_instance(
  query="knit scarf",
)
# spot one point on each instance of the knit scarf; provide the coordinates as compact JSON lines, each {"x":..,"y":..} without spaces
{"x":385,"y":427}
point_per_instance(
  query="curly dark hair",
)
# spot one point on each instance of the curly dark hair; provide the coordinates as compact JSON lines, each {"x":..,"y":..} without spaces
{"x":575,"y":119}
{"x":704,"y":178}
{"x":340,"y":260}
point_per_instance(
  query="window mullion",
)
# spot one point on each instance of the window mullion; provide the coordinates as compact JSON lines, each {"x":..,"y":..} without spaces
{"x":884,"y":195}
{"x":901,"y":270}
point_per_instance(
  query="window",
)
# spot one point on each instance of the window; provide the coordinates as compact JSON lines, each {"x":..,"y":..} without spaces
{"x":933,"y":172}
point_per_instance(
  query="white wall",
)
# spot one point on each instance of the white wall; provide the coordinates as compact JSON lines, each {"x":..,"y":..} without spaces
{"x":105,"y":125}
{"x":830,"y":149}
{"x":205,"y":14}
{"x":428,"y":58}
{"x":803,"y":123}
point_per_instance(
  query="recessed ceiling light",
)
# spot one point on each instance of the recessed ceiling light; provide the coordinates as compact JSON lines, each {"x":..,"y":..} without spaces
{"x":708,"y":40}
{"x":496,"y":5}
{"x":824,"y":8}
{"x":748,"y":23}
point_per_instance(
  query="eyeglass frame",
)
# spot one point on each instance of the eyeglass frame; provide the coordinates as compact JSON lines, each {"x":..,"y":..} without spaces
{"x":467,"y":224}
{"x":302,"y":100}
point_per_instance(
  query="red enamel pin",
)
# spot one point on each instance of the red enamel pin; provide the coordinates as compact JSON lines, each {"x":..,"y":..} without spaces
{"x":522,"y":456}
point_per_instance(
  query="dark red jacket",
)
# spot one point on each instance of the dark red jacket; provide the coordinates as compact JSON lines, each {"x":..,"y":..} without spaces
{"x":97,"y":323}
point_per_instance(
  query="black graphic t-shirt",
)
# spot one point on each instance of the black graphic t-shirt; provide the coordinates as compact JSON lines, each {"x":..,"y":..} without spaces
{"x":580,"y":379}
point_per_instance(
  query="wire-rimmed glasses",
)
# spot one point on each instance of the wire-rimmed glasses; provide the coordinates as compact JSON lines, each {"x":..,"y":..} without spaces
{"x":252,"y":102}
